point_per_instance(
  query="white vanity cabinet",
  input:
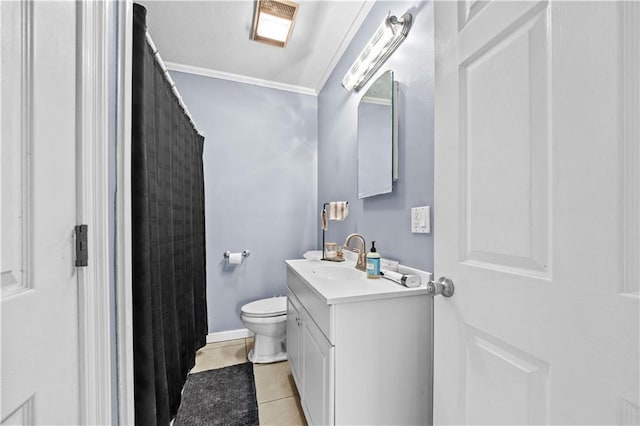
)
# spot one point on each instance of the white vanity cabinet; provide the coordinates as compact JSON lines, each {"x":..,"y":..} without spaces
{"x":311,"y":360}
{"x":359,"y":350}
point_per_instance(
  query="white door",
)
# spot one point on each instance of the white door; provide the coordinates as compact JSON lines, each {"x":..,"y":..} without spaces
{"x":39,"y":282}
{"x":537,"y":219}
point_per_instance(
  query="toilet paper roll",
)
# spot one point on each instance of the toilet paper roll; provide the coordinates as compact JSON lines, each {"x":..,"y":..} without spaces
{"x":235,"y":258}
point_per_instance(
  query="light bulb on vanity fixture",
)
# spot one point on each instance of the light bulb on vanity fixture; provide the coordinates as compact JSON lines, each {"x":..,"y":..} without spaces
{"x":389,"y":35}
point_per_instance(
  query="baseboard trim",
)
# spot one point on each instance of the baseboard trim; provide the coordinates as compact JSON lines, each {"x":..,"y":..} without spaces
{"x":222,"y":336}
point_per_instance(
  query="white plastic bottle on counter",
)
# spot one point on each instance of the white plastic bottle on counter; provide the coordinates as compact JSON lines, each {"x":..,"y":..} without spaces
{"x":373,"y":262}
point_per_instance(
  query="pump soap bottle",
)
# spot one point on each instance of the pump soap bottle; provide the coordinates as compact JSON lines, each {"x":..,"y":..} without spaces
{"x":373,"y":262}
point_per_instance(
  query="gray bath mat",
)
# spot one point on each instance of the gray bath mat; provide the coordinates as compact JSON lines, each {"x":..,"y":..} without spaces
{"x":226,"y":396}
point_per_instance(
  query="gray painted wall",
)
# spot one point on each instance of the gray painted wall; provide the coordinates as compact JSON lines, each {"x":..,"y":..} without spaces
{"x":383,"y":218}
{"x":260,"y":167}
{"x":273,"y":157}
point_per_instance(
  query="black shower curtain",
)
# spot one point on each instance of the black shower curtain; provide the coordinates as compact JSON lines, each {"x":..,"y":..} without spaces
{"x":169,"y":300}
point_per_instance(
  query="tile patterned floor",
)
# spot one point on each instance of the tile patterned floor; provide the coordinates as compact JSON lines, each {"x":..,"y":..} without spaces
{"x":278,"y":399}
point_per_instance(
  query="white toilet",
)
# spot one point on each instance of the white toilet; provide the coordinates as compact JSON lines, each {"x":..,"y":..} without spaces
{"x":267,"y":318}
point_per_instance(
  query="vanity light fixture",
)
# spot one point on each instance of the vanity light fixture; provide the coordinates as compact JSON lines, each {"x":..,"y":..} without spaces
{"x":273,"y":21}
{"x":389,"y":35}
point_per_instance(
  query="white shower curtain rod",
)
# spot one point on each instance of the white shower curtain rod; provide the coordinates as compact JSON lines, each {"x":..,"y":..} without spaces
{"x":174,"y":89}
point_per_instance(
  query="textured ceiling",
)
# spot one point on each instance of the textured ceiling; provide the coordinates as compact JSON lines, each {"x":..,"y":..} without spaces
{"x":212,"y":37}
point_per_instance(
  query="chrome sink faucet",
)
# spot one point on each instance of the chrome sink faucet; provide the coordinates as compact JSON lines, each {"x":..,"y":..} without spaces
{"x":360,"y":264}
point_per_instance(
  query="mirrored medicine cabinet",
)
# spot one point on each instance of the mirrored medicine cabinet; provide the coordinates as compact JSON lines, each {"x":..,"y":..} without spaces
{"x":378,"y":138}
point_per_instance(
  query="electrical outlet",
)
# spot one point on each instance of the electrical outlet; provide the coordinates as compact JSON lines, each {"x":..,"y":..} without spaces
{"x":421,"y":220}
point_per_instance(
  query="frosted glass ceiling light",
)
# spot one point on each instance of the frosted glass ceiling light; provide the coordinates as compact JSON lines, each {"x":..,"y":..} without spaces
{"x":273,"y":21}
{"x":389,"y":35}
{"x":273,"y":27}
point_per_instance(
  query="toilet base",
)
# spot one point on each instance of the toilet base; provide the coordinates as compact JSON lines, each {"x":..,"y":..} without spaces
{"x":266,"y":359}
{"x":268,"y":349}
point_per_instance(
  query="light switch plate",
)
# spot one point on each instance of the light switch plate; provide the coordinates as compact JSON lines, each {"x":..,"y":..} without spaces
{"x":421,"y":220}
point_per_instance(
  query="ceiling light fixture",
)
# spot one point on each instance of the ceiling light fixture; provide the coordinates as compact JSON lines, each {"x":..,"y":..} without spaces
{"x":389,"y":35}
{"x":273,"y":21}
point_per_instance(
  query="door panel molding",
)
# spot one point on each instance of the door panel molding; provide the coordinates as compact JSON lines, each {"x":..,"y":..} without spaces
{"x":496,"y":22}
{"x":629,"y":232}
{"x":520,"y":394}
{"x":17,"y":137}
{"x":518,"y":193}
{"x":23,"y":415}
{"x":629,"y":413}
{"x":469,"y":9}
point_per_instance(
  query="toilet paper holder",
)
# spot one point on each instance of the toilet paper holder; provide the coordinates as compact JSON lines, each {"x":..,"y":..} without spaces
{"x":245,"y":253}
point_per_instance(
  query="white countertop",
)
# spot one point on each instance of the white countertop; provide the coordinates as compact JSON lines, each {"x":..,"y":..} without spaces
{"x":352,"y":290}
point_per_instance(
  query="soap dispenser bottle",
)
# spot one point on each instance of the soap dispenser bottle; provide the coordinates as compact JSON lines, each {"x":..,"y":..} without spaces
{"x":373,"y":262}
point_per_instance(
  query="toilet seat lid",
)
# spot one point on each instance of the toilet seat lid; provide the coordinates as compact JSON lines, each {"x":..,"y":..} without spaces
{"x":270,"y":307}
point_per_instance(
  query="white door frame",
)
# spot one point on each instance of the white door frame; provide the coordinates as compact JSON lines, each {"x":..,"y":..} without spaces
{"x":96,"y":333}
{"x":94,"y":315}
{"x":124,"y":314}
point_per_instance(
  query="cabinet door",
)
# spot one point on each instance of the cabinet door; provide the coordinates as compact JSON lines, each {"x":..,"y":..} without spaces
{"x":294,"y":349}
{"x":317,"y":374}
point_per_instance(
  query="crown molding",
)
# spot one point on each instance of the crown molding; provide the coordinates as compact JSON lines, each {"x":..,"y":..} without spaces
{"x":344,"y":44}
{"x":206,"y":72}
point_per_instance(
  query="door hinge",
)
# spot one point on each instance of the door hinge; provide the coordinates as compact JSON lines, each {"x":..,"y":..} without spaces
{"x":82,"y":251}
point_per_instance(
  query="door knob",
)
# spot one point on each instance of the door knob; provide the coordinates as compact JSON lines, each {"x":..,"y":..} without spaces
{"x":443,"y":286}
